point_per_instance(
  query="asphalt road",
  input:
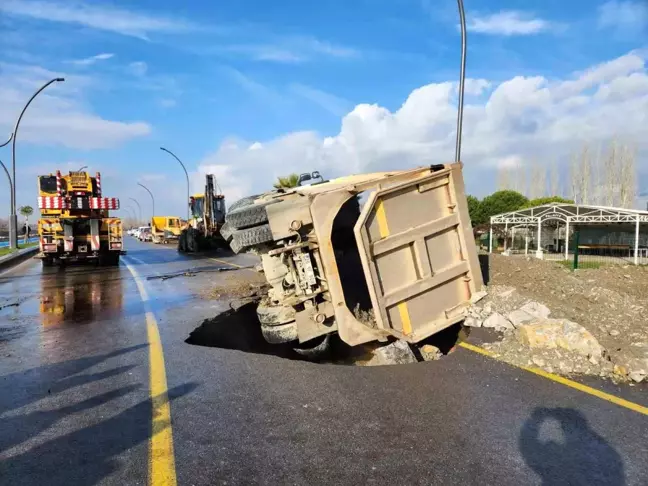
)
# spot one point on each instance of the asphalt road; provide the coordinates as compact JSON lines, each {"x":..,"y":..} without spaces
{"x":76,"y":407}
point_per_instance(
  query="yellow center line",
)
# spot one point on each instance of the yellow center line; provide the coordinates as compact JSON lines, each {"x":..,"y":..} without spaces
{"x":161,"y":463}
{"x":635,"y":407}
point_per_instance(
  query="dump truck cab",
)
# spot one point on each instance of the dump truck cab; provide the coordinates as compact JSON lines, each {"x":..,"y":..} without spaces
{"x":165,"y":229}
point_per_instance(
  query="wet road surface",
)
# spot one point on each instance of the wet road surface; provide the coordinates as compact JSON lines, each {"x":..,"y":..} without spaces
{"x":75,"y":405}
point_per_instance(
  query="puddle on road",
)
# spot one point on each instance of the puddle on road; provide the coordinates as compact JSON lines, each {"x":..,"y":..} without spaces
{"x":239,"y":329}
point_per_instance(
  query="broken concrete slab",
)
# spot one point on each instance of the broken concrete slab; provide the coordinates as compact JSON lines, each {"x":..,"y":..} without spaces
{"x":472,"y":322}
{"x":536,"y":309}
{"x":498,"y":321}
{"x":397,"y":352}
{"x":519,"y":317}
{"x":560,"y":333}
{"x":430,"y":352}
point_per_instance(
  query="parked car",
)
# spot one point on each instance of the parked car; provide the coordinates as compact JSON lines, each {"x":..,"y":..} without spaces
{"x":144,"y":234}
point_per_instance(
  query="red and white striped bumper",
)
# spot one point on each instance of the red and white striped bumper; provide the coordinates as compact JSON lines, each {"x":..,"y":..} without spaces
{"x":104,"y":203}
{"x":52,"y":202}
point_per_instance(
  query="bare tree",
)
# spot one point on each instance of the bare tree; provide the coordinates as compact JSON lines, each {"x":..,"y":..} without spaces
{"x":503,"y":179}
{"x":627,"y":177}
{"x":521,"y":179}
{"x":538,"y":183}
{"x":554,"y":180}
{"x":574,"y":178}
{"x":610,"y":182}
{"x":585,"y":175}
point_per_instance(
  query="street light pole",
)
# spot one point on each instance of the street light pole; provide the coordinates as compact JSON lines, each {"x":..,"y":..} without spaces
{"x":151,"y":194}
{"x":13,"y":220}
{"x":138,"y":207}
{"x":186,"y":174}
{"x":462,"y":77}
{"x":8,"y":175}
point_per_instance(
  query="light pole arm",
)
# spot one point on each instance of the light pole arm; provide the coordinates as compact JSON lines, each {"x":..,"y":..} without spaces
{"x":7,"y":142}
{"x":186,"y":175}
{"x":15,"y":135}
{"x":8,"y":176}
{"x":138,"y":207}
{"x":151,"y":194}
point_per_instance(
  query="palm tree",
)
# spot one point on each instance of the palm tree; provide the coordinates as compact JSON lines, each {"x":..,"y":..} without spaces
{"x":291,"y":180}
{"x":26,"y":211}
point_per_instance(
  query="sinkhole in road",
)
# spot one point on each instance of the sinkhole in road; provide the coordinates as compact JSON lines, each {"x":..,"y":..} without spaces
{"x":239,"y":329}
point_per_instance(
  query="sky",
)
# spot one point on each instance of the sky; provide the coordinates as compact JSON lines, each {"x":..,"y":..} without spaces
{"x":251,"y":90}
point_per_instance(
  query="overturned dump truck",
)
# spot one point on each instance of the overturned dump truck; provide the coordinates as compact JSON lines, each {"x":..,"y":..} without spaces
{"x":368,"y":256}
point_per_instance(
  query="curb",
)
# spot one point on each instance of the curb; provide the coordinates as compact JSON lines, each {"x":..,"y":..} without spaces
{"x":15,"y":258}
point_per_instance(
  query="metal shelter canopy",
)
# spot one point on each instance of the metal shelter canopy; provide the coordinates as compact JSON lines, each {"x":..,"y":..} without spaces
{"x":569,"y":214}
{"x":574,"y":213}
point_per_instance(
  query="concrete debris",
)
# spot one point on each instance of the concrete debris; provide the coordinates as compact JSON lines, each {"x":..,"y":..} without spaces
{"x":560,"y":333}
{"x":472,"y":322}
{"x":498,"y":322}
{"x":397,"y":352}
{"x":536,"y":309}
{"x":519,"y":317}
{"x":634,"y":363}
{"x":477,"y":296}
{"x":430,"y":352}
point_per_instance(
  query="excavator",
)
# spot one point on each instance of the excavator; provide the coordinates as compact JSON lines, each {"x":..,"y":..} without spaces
{"x":203,"y":229}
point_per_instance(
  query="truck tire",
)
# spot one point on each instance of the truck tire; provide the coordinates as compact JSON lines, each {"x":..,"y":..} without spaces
{"x":250,"y":237}
{"x":227,"y":232}
{"x":246,"y":201}
{"x":248,"y":216}
{"x":182,"y":242}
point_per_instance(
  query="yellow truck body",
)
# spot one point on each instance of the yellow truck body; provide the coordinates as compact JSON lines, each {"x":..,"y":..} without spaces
{"x":165,"y":228}
{"x":75,"y":221}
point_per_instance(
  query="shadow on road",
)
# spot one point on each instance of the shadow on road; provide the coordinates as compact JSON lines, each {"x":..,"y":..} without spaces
{"x":25,"y":387}
{"x":87,"y":456}
{"x":562,"y":449}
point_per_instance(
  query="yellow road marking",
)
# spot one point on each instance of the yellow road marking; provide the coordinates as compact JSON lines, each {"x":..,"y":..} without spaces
{"x":383,"y":229}
{"x":635,"y":407}
{"x":161,"y":457}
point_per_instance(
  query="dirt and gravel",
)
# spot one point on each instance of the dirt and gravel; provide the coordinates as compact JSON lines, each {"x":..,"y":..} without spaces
{"x":610,"y":303}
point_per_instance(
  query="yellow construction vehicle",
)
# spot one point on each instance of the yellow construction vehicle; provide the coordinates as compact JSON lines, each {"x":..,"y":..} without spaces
{"x":75,"y":223}
{"x":165,"y":229}
{"x":203,"y":230}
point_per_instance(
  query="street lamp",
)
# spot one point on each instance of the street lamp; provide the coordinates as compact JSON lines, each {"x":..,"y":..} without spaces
{"x":462,"y":76}
{"x":138,"y":207}
{"x":150,"y":194}
{"x":84,"y":167}
{"x":186,"y":174}
{"x":13,"y":220}
{"x":7,"y":172}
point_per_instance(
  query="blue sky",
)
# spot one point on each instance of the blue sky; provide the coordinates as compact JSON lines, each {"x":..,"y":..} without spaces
{"x":250,"y":89}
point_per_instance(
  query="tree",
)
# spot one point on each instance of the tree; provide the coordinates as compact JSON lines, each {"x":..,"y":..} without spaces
{"x":291,"y":180}
{"x":500,"y":202}
{"x":26,"y":211}
{"x":547,"y":200}
{"x":474,"y":207}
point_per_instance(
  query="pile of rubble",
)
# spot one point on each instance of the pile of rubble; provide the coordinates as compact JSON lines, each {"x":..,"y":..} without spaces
{"x":532,"y":338}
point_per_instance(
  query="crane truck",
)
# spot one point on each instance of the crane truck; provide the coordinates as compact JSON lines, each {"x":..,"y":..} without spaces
{"x":203,"y":230}
{"x":75,"y":223}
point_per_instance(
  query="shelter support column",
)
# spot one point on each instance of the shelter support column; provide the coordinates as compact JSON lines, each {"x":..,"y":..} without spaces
{"x":539,"y":246}
{"x":526,"y":240}
{"x":567,"y":240}
{"x":505,"y":236}
{"x":636,"y":243}
{"x":490,"y":238}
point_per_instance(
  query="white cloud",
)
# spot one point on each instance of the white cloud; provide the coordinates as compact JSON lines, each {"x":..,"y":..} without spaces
{"x":92,"y":59}
{"x":100,"y":17}
{"x":627,"y":17}
{"x":508,"y":23}
{"x":476,"y":87}
{"x":168,"y":103}
{"x":329,"y":102}
{"x":291,"y":50}
{"x":57,"y":116}
{"x":522,"y":119}
{"x":138,"y":68}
